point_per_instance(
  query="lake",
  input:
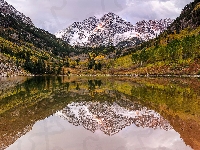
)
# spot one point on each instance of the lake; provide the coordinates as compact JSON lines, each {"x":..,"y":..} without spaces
{"x":99,"y":113}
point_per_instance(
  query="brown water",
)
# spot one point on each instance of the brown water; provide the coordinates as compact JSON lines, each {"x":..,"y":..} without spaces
{"x":59,"y":113}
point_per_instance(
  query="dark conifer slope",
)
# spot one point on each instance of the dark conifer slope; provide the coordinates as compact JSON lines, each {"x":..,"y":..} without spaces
{"x":27,"y":46}
{"x":189,"y":17}
{"x":19,"y":32}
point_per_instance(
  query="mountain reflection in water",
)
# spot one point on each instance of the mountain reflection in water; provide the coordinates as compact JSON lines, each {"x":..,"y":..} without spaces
{"x":111,"y":118}
{"x":160,"y":113}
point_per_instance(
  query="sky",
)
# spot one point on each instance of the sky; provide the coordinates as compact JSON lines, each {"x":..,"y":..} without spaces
{"x":55,"y":15}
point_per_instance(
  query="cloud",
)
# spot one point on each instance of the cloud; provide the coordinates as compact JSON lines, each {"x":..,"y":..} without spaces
{"x":54,"y":15}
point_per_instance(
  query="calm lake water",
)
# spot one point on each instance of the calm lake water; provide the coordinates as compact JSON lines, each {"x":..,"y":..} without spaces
{"x":72,"y":113}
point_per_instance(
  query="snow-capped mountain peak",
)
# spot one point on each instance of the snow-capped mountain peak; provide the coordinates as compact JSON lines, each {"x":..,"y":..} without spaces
{"x":110,"y":29}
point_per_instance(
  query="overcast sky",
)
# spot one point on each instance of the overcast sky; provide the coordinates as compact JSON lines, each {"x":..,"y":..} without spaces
{"x":54,"y":15}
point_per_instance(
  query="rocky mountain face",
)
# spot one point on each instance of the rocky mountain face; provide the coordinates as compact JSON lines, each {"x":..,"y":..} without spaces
{"x":7,"y":9}
{"x":111,"y":30}
{"x":9,"y":69}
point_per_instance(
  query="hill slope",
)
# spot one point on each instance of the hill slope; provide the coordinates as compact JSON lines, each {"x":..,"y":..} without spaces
{"x":176,"y":51}
{"x":27,"y":46}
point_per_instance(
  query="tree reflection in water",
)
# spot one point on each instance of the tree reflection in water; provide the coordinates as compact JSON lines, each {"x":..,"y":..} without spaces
{"x":111,"y":118}
{"x":104,"y":104}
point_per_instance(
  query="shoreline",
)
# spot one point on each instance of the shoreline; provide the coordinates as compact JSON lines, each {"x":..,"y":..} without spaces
{"x":109,"y":75}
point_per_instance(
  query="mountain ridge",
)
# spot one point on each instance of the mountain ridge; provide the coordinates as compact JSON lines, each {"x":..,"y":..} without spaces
{"x":7,"y":9}
{"x":189,"y":17}
{"x":111,"y":30}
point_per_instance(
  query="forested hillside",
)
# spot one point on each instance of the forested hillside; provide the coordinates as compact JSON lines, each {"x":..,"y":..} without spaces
{"x":28,"y":47}
{"x":176,"y":51}
{"x":189,"y":17}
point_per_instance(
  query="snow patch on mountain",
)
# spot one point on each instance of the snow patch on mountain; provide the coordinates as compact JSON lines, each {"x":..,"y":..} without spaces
{"x":110,"y":30}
